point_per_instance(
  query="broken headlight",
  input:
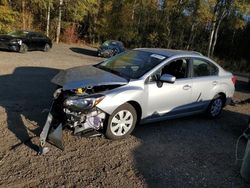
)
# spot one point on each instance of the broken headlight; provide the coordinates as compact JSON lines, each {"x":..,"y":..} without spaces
{"x":82,"y":103}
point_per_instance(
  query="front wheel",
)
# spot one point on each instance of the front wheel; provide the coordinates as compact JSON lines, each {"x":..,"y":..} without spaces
{"x":46,"y":47}
{"x":23,"y":48}
{"x":215,"y":107}
{"x":121,"y":122}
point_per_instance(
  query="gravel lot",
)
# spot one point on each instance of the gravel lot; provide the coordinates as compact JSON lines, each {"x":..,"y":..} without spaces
{"x":187,"y":152}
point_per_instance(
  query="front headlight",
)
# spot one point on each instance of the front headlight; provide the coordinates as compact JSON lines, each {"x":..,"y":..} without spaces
{"x":16,"y":41}
{"x":77,"y":103}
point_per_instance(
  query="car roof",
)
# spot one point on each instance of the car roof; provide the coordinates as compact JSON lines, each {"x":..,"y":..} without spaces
{"x":168,"y":52}
{"x":27,"y":31}
{"x":114,"y":42}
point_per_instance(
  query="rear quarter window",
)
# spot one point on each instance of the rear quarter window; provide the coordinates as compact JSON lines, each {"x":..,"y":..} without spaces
{"x":204,"y":68}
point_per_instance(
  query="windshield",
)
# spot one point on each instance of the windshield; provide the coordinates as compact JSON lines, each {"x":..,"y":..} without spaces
{"x":18,"y":33}
{"x":106,"y":43}
{"x":132,"y":64}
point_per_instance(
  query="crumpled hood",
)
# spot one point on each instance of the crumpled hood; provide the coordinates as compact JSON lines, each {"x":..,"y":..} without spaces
{"x":86,"y":76}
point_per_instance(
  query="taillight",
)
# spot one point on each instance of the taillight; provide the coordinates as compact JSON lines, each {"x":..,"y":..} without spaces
{"x":234,"y":80}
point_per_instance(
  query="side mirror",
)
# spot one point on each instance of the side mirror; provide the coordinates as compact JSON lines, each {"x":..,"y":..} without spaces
{"x":168,"y":78}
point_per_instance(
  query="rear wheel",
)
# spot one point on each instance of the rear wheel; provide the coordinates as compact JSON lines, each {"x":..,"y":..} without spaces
{"x":215,"y":107}
{"x":121,"y":122}
{"x":23,"y":48}
{"x":46,"y":47}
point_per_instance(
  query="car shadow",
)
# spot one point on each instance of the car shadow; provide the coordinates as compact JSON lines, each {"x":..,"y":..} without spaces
{"x":24,"y":95}
{"x":6,"y":50}
{"x":84,"y":51}
{"x":190,"y":152}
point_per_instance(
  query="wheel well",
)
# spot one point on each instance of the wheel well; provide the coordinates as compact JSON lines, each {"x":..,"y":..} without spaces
{"x":224,"y":98}
{"x":138,"y":110}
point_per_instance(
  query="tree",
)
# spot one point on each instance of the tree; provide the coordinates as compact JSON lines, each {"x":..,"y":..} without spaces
{"x":208,"y":26}
{"x":59,"y":21}
{"x":7,"y":17}
{"x":222,"y":9}
{"x":49,"y":5}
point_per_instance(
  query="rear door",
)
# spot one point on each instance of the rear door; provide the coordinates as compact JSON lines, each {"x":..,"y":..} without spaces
{"x":41,"y":41}
{"x":205,"y":78}
{"x":37,"y":41}
{"x":28,"y":41}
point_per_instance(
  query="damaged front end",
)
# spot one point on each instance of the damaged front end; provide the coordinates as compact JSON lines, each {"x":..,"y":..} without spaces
{"x":75,"y":109}
{"x":75,"y":103}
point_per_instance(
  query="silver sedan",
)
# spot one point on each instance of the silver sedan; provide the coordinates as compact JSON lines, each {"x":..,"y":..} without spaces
{"x":138,"y":86}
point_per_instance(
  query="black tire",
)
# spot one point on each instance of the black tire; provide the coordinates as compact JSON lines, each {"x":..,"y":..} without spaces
{"x":23,"y":48}
{"x":46,"y":47}
{"x":110,"y":127}
{"x":215,"y":107}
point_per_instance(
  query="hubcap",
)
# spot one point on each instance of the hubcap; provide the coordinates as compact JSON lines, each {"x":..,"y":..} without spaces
{"x":23,"y":48}
{"x":121,"y":122}
{"x":46,"y":47}
{"x":216,"y":107}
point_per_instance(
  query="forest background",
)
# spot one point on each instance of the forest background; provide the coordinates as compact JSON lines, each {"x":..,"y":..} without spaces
{"x":217,"y":28}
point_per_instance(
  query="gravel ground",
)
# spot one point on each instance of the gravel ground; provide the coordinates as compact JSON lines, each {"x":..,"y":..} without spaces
{"x":187,"y":152}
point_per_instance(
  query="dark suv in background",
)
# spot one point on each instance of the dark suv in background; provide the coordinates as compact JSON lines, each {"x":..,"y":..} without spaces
{"x":110,"y":48}
{"x":23,"y":41}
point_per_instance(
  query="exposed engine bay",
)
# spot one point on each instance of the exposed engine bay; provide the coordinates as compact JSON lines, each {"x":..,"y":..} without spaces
{"x":74,"y":109}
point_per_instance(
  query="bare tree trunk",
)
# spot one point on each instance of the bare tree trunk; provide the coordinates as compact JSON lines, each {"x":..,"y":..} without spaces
{"x":59,"y":22}
{"x":215,"y":37}
{"x":29,"y":20}
{"x":211,"y":39}
{"x":94,"y":29}
{"x":23,"y":15}
{"x":133,"y":11}
{"x":223,"y":15}
{"x":191,"y":36}
{"x":48,"y":19}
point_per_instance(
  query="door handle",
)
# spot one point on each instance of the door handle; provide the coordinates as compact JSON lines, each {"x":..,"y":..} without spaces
{"x":186,"y":87}
{"x":214,"y":83}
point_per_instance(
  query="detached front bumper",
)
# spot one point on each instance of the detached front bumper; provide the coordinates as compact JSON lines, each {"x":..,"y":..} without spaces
{"x":82,"y":123}
{"x":52,"y":131}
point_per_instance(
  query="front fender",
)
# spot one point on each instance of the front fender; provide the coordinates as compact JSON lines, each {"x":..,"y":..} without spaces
{"x":120,"y":96}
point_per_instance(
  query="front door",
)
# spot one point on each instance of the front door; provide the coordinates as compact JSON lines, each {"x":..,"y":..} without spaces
{"x":169,"y":99}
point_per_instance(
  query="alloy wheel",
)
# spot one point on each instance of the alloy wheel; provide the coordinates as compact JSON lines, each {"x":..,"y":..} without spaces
{"x":46,"y":47}
{"x":23,"y":48}
{"x":216,"y":107}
